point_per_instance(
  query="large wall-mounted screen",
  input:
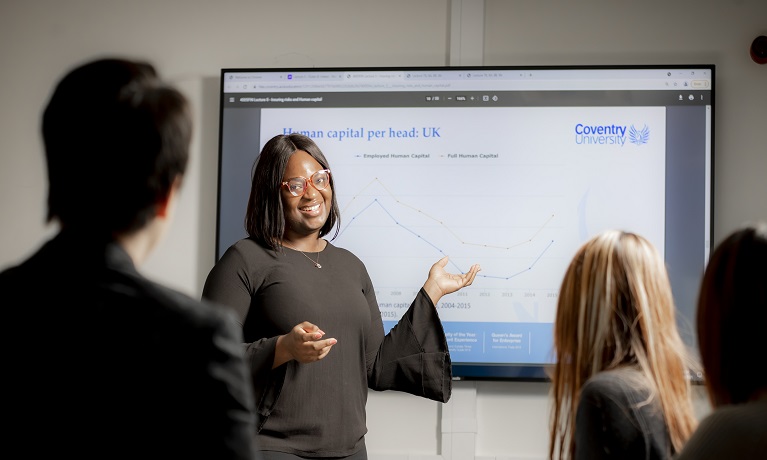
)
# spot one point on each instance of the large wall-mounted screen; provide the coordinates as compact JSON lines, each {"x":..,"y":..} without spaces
{"x":509,"y":167}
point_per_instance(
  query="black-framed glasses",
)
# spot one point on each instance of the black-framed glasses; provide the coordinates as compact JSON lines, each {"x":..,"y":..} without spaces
{"x":297,"y":185}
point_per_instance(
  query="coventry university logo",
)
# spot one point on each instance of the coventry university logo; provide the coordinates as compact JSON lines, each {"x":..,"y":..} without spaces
{"x":639,"y":136}
{"x":610,"y":134}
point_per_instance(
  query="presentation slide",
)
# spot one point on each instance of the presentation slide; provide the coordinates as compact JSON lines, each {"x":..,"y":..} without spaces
{"x":514,"y":189}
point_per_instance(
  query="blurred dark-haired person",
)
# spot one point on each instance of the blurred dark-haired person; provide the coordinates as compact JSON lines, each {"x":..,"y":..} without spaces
{"x":100,"y":361}
{"x":619,"y":384}
{"x":732,"y":319}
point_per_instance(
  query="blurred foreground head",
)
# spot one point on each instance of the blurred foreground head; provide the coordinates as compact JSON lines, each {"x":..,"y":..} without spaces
{"x":116,"y":138}
{"x":732,"y":315}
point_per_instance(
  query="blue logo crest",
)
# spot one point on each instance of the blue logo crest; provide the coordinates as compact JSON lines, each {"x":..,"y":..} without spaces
{"x":639,"y":136}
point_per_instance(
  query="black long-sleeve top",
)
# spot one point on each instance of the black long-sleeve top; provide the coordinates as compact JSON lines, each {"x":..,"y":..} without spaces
{"x":318,"y":409}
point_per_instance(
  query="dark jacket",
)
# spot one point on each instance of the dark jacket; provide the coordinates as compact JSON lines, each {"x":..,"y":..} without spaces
{"x":103,"y":363}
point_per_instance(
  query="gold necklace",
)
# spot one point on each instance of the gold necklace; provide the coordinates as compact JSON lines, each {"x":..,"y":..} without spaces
{"x":315,"y":263}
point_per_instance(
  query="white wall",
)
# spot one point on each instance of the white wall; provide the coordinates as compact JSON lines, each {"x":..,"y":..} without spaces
{"x":191,"y":40}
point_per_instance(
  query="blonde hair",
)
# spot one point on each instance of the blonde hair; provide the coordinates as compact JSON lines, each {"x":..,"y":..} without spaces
{"x":616,"y":309}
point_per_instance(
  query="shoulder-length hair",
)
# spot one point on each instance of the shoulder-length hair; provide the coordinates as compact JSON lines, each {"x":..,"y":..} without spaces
{"x":616,"y":309}
{"x":732,"y":314}
{"x":265,"y":216}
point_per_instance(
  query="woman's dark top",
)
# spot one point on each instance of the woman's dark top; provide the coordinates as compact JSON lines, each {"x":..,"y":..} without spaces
{"x":615,"y":419}
{"x":318,"y":409}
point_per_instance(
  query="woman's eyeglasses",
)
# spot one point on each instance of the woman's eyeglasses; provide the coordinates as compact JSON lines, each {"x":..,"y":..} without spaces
{"x":297,"y":185}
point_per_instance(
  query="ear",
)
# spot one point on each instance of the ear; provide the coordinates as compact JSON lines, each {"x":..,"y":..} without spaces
{"x":164,"y":202}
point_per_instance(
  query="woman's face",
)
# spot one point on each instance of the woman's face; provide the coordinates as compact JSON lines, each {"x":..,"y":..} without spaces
{"x":305,"y":214}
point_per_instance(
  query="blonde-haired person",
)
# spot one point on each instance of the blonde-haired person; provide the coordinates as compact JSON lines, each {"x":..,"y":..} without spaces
{"x":732,"y":315}
{"x":619,"y":386}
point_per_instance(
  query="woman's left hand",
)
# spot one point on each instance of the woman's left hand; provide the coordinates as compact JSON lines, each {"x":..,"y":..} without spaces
{"x":440,"y":282}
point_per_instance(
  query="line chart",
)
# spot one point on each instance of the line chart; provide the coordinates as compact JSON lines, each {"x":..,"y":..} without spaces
{"x":413,"y":232}
{"x":458,"y":238}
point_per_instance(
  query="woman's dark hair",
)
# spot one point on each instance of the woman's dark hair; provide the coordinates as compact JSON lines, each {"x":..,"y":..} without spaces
{"x":265,"y":216}
{"x":732,"y":314}
{"x":116,"y":138}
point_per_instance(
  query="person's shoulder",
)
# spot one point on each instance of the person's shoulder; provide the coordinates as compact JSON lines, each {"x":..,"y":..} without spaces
{"x":8,"y":274}
{"x":245,"y":246}
{"x":340,"y":252}
{"x":610,"y":378}
{"x":176,"y":309}
{"x":740,"y":418}
{"x":29,"y":267}
{"x":737,"y":431}
{"x":599,"y":384}
{"x":246,"y":254}
{"x":616,"y":384}
{"x":26,"y":274}
{"x":247,"y":249}
{"x":12,"y":281}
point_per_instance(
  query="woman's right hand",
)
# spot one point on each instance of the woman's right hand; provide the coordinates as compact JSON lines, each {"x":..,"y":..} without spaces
{"x":304,"y":343}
